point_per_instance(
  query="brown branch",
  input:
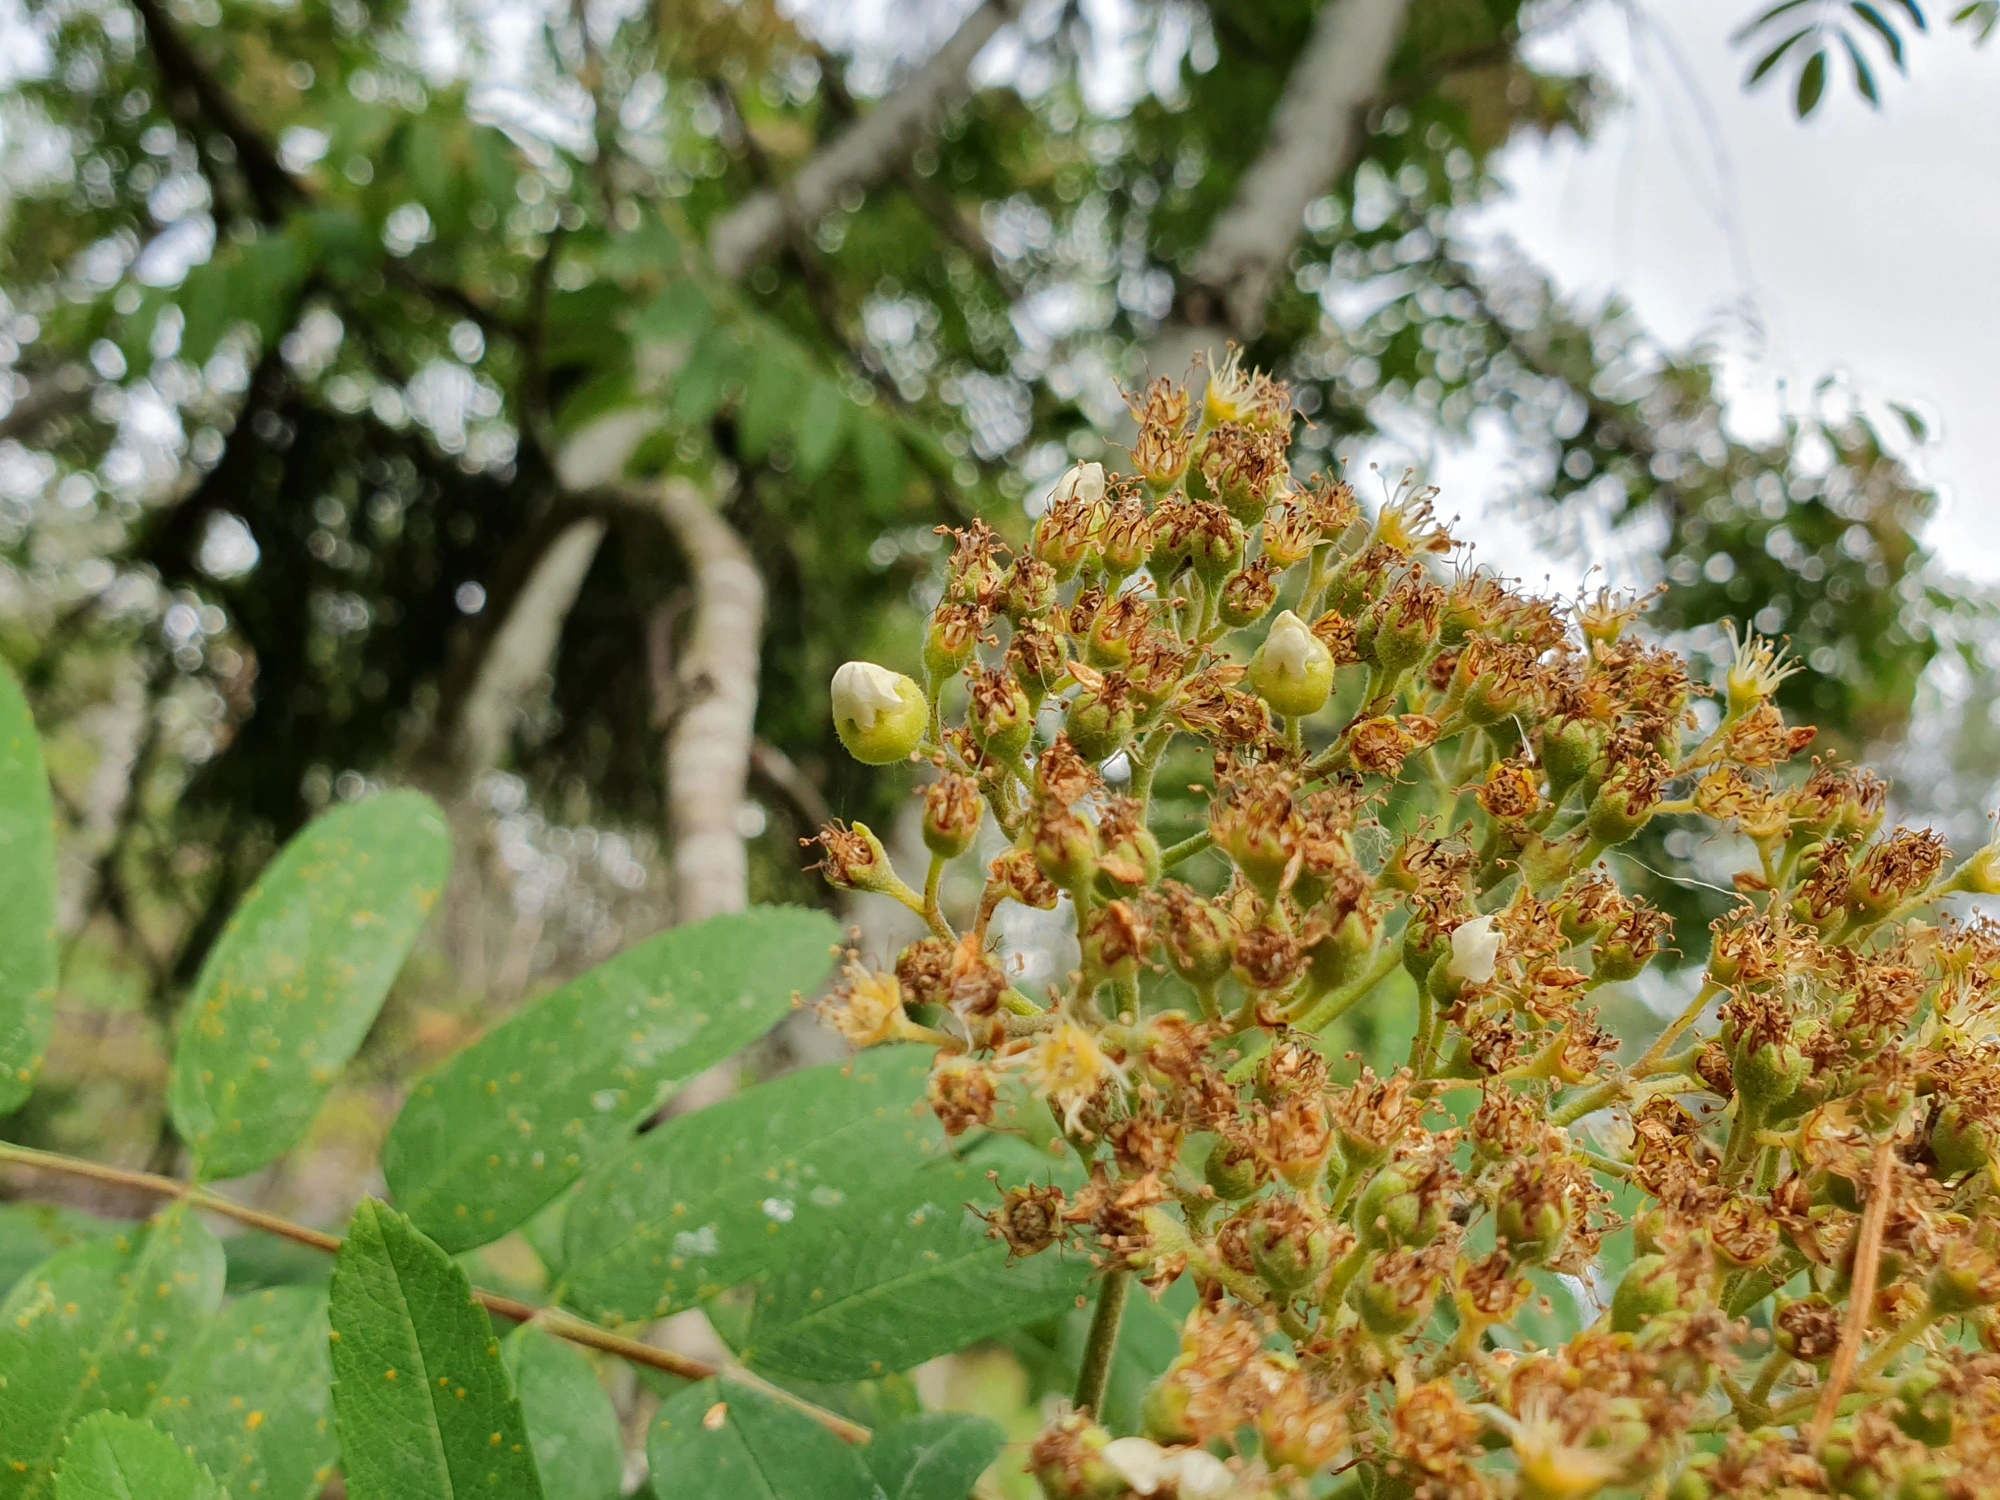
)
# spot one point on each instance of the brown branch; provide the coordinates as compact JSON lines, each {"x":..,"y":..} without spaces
{"x":556,"y":1321}
{"x":782,"y":775}
{"x":1860,"y":1297}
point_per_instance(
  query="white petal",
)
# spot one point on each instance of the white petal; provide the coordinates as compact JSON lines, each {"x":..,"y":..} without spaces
{"x":1141,"y":1463}
{"x":861,"y":690}
{"x":1475,"y":950}
{"x":1203,"y":1476}
{"x":1290,"y":647}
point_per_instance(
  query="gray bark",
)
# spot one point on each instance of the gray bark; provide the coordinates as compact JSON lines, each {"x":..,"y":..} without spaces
{"x":872,"y":148}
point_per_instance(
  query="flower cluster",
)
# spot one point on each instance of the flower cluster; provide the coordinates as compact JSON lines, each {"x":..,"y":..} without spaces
{"x":1781,"y":1202}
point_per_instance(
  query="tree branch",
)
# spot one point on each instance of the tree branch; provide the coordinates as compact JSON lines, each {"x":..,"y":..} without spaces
{"x":862,"y":155}
{"x":272,"y":188}
{"x":1312,"y":140}
{"x":708,"y":742}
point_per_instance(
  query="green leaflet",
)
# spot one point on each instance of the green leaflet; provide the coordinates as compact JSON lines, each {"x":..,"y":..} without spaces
{"x":723,"y":1441}
{"x":251,"y":1398}
{"x":31,"y":1232}
{"x":937,"y":1456}
{"x":28,"y":957}
{"x":423,"y":1403}
{"x":906,"y":1274}
{"x":714,"y":1198}
{"x":294,"y":983}
{"x":572,"y":1425}
{"x":110,"y":1457}
{"x":515,"y":1118}
{"x":93,"y":1328}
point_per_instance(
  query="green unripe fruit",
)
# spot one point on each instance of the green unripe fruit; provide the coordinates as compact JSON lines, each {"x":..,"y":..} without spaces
{"x":1391,"y":1306}
{"x":1342,"y":954}
{"x":1922,"y":1410}
{"x":1617,"y":813}
{"x":1961,"y":1145}
{"x":1066,"y":849}
{"x":880,"y":715}
{"x":1000,"y":716}
{"x":1566,"y":756}
{"x":1289,"y":1252}
{"x":1647,"y":1289}
{"x":1246,"y":595}
{"x":1098,"y":724}
{"x":1233,"y":1171}
{"x":949,"y":641}
{"x":1392,"y":1212}
{"x":1768,"y":1076}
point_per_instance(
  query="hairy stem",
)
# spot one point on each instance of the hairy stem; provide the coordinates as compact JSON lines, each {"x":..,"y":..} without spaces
{"x":1095,"y":1374}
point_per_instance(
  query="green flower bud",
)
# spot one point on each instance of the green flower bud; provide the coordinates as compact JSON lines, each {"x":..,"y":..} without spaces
{"x":1647,"y":1289}
{"x":1292,"y":671}
{"x":880,"y":715}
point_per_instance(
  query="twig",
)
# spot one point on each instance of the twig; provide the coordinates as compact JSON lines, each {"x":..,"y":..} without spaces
{"x":1860,"y":1297}
{"x":562,"y":1324}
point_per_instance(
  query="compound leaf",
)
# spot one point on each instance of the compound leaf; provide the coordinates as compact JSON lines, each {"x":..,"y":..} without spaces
{"x":714,"y":1198}
{"x":251,"y":1397}
{"x":95,"y":1328}
{"x":572,"y":1425}
{"x":422,"y":1401}
{"x":28,"y":958}
{"x":907,"y":1274}
{"x":292,"y":986}
{"x":515,"y":1118}
{"x":936,"y":1456}
{"x":729,"y":1442}
{"x":111,"y":1457}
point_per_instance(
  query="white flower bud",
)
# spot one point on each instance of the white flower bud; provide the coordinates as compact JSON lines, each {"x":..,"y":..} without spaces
{"x":881,"y":715}
{"x":1082,"y":482}
{"x":1292,"y":671}
{"x":1475,"y":950}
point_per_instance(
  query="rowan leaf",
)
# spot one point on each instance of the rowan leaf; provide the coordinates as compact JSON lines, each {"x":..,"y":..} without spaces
{"x":717,"y":1441}
{"x":572,"y":1425}
{"x":936,"y":1456}
{"x":714,"y":1198}
{"x":422,"y":1402}
{"x":908,"y":1273}
{"x":295,"y":981}
{"x":251,"y":1397}
{"x":28,"y":955}
{"x":511,"y":1121}
{"x":112,"y":1457}
{"x":95,"y":1328}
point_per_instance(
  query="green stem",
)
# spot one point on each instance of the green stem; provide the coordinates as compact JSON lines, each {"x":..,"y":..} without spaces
{"x":1095,"y":1374}
{"x":1650,"y":1063}
{"x":1186,"y":849}
{"x":1340,"y":1002}
{"x":933,"y":915}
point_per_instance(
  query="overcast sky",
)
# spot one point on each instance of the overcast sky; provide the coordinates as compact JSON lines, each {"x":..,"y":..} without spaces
{"x":1861,"y":243}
